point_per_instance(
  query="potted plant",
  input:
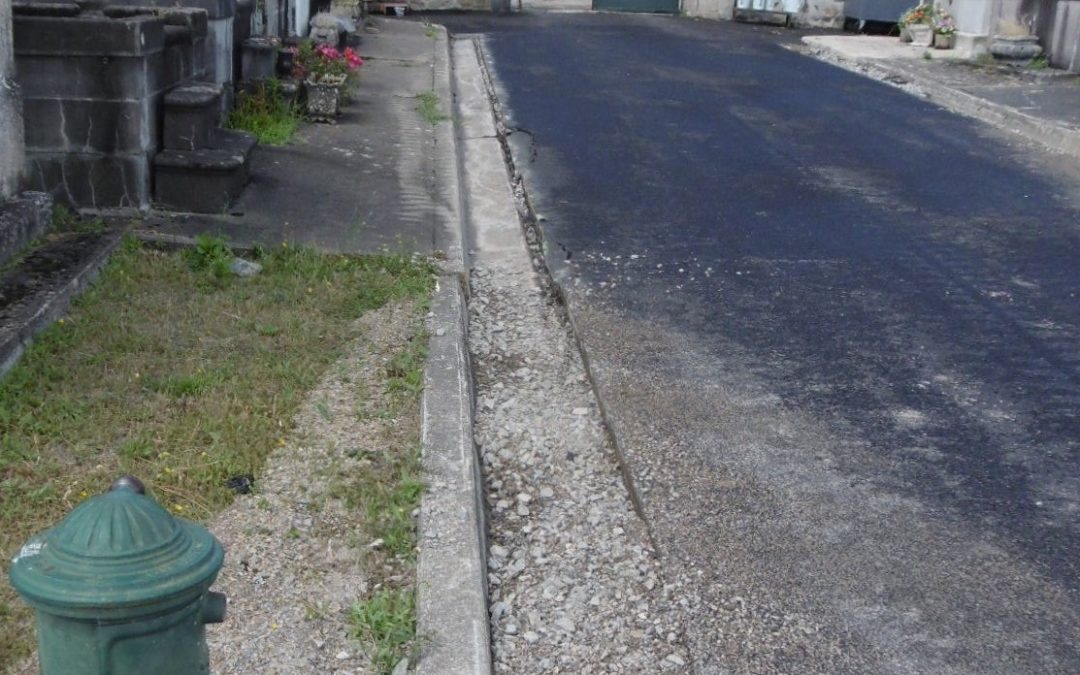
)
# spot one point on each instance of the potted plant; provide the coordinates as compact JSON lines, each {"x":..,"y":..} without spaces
{"x":918,"y":23}
{"x":324,"y":70}
{"x":1014,"y":43}
{"x":944,"y":30}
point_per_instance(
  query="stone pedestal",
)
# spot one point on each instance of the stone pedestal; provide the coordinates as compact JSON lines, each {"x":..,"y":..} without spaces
{"x":220,"y":47}
{"x":259,"y":58}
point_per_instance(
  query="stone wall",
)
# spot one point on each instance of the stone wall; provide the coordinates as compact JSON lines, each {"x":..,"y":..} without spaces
{"x":820,"y":14}
{"x":12,"y":158}
{"x":710,"y":9}
{"x":815,"y":13}
{"x":1062,"y":37}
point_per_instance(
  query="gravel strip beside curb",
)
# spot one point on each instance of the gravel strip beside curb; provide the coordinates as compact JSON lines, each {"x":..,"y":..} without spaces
{"x":452,"y":618}
{"x":1053,"y":136}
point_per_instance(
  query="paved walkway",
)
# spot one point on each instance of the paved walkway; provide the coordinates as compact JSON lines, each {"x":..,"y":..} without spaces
{"x":382,"y":177}
{"x":1041,"y":104}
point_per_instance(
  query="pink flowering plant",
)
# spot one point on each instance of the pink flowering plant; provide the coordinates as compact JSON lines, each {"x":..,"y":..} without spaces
{"x":944,"y":24}
{"x":323,"y":63}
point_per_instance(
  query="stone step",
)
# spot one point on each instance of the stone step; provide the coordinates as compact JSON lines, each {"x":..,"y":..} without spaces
{"x":206,"y":180}
{"x":192,"y":115}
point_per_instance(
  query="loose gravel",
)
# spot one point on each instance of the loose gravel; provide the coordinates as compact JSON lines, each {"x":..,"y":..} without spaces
{"x":297,"y":558}
{"x":575,"y":585}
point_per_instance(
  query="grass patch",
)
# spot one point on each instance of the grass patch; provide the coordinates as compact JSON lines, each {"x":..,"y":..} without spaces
{"x":428,"y":107}
{"x":387,"y":621}
{"x":183,"y":383}
{"x":266,"y":113}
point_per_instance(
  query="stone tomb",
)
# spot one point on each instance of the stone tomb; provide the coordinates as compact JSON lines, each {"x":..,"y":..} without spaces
{"x":93,"y":84}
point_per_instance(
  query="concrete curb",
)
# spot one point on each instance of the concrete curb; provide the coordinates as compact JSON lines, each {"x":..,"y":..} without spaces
{"x":1053,"y":136}
{"x":55,"y":304}
{"x":452,"y":614}
{"x":452,"y":600}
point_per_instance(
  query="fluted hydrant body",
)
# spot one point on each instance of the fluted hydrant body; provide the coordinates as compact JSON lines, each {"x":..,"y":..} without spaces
{"x":120,"y":587}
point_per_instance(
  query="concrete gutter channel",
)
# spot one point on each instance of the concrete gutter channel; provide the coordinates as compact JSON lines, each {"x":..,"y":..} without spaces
{"x":1051,"y":134}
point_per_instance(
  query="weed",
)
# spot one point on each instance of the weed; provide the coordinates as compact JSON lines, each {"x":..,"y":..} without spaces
{"x":292,"y":533}
{"x":430,"y":30}
{"x":324,"y":410}
{"x":212,"y":257}
{"x":405,"y":370}
{"x":387,"y":622}
{"x":266,"y":113}
{"x":428,"y":107}
{"x":180,"y":386}
{"x":1040,"y":62}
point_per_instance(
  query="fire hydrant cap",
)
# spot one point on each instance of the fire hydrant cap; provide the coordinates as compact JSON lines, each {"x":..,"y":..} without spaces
{"x":121,"y":551}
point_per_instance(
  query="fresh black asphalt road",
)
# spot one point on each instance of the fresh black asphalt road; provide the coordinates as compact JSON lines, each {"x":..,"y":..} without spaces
{"x":835,"y":330}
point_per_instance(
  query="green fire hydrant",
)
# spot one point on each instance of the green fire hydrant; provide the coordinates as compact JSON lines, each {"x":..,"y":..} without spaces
{"x":120,"y":587}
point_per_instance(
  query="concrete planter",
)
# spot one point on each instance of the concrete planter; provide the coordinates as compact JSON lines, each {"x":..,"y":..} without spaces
{"x":944,"y":41}
{"x":922,"y":35}
{"x":1015,"y":47}
{"x":323,"y":100}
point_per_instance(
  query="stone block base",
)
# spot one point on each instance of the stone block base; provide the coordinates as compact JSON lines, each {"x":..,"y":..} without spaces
{"x":761,"y":16}
{"x":204,"y":181}
{"x":92,"y":180}
{"x":971,"y":45}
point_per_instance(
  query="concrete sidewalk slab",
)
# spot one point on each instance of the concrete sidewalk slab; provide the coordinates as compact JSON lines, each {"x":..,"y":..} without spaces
{"x":1040,"y":105}
{"x":383,"y":177}
{"x":876,"y":47}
